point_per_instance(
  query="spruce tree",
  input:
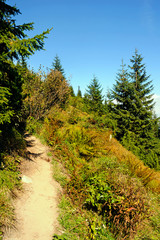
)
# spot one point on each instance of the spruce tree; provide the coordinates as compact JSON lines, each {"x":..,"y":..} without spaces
{"x":79,"y":93}
{"x":145,"y":125}
{"x":72,"y":94}
{"x":133,"y":110}
{"x":57,"y":65}
{"x":15,"y":48}
{"x":122,"y":105}
{"x":93,"y":97}
{"x":142,"y":102}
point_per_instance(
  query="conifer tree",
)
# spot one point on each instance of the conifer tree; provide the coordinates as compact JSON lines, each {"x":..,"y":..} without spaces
{"x":133,"y":111}
{"x":15,"y":48}
{"x":142,"y":101}
{"x":72,"y":91}
{"x":79,"y":93}
{"x":57,"y":65}
{"x":93,"y":97}
{"x":122,"y":94}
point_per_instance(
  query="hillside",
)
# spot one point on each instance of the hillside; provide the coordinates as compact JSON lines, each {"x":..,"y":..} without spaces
{"x":105,"y":149}
{"x":109,"y":192}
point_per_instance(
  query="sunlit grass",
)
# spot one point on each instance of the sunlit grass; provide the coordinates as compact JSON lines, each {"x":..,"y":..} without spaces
{"x":92,"y":158}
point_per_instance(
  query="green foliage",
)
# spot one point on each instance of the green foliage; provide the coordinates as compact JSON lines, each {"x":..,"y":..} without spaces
{"x":105,"y":197}
{"x":14,"y":44}
{"x":79,"y":93}
{"x":93,"y":97}
{"x":33,"y":102}
{"x":97,"y":229}
{"x":137,"y":128}
{"x":59,"y":173}
{"x":117,"y":197}
{"x":72,"y":221}
{"x":77,"y":103}
{"x":9,"y":172}
{"x":59,"y":237}
{"x":9,"y":180}
{"x":15,"y":48}
{"x":13,"y":41}
{"x":72,"y":94}
{"x":5,"y":110}
{"x":33,"y":126}
{"x":103,"y":122}
{"x":41,"y":92}
{"x":6,"y":211}
{"x":103,"y":190}
{"x":99,"y":193}
{"x":152,"y":231}
{"x":57,"y":65}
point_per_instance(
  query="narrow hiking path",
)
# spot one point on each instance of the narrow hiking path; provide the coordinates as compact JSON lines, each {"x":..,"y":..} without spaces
{"x":36,"y":206}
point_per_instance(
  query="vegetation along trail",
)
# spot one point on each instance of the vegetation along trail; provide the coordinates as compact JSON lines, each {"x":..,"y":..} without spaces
{"x":36,"y":208}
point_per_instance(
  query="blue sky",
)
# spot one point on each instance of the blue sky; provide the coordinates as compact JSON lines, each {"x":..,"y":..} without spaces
{"x":92,"y":36}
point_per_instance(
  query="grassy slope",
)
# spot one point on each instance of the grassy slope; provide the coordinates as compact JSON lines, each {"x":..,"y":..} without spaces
{"x":108,"y":189}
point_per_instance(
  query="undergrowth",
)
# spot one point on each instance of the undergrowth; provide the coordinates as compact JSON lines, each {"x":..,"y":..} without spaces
{"x":9,"y":181}
{"x":105,"y":185}
{"x":10,"y":157}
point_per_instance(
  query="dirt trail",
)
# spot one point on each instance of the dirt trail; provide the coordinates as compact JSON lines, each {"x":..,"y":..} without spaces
{"x":36,"y":207}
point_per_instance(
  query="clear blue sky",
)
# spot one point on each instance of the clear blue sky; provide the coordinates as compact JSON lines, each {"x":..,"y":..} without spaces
{"x":92,"y":36}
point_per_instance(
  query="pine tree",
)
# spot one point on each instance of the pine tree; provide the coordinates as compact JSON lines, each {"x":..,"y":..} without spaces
{"x":57,"y":65}
{"x":93,"y":97}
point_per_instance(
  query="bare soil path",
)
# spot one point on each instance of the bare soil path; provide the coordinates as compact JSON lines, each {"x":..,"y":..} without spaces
{"x":36,"y":207}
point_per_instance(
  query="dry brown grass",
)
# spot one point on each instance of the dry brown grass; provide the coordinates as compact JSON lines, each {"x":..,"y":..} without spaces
{"x":149,"y":177}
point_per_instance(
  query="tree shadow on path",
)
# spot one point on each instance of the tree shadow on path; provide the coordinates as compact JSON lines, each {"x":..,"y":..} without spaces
{"x":30,"y":143}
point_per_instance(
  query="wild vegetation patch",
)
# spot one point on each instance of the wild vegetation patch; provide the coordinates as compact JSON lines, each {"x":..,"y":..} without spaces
{"x":102,"y":180}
